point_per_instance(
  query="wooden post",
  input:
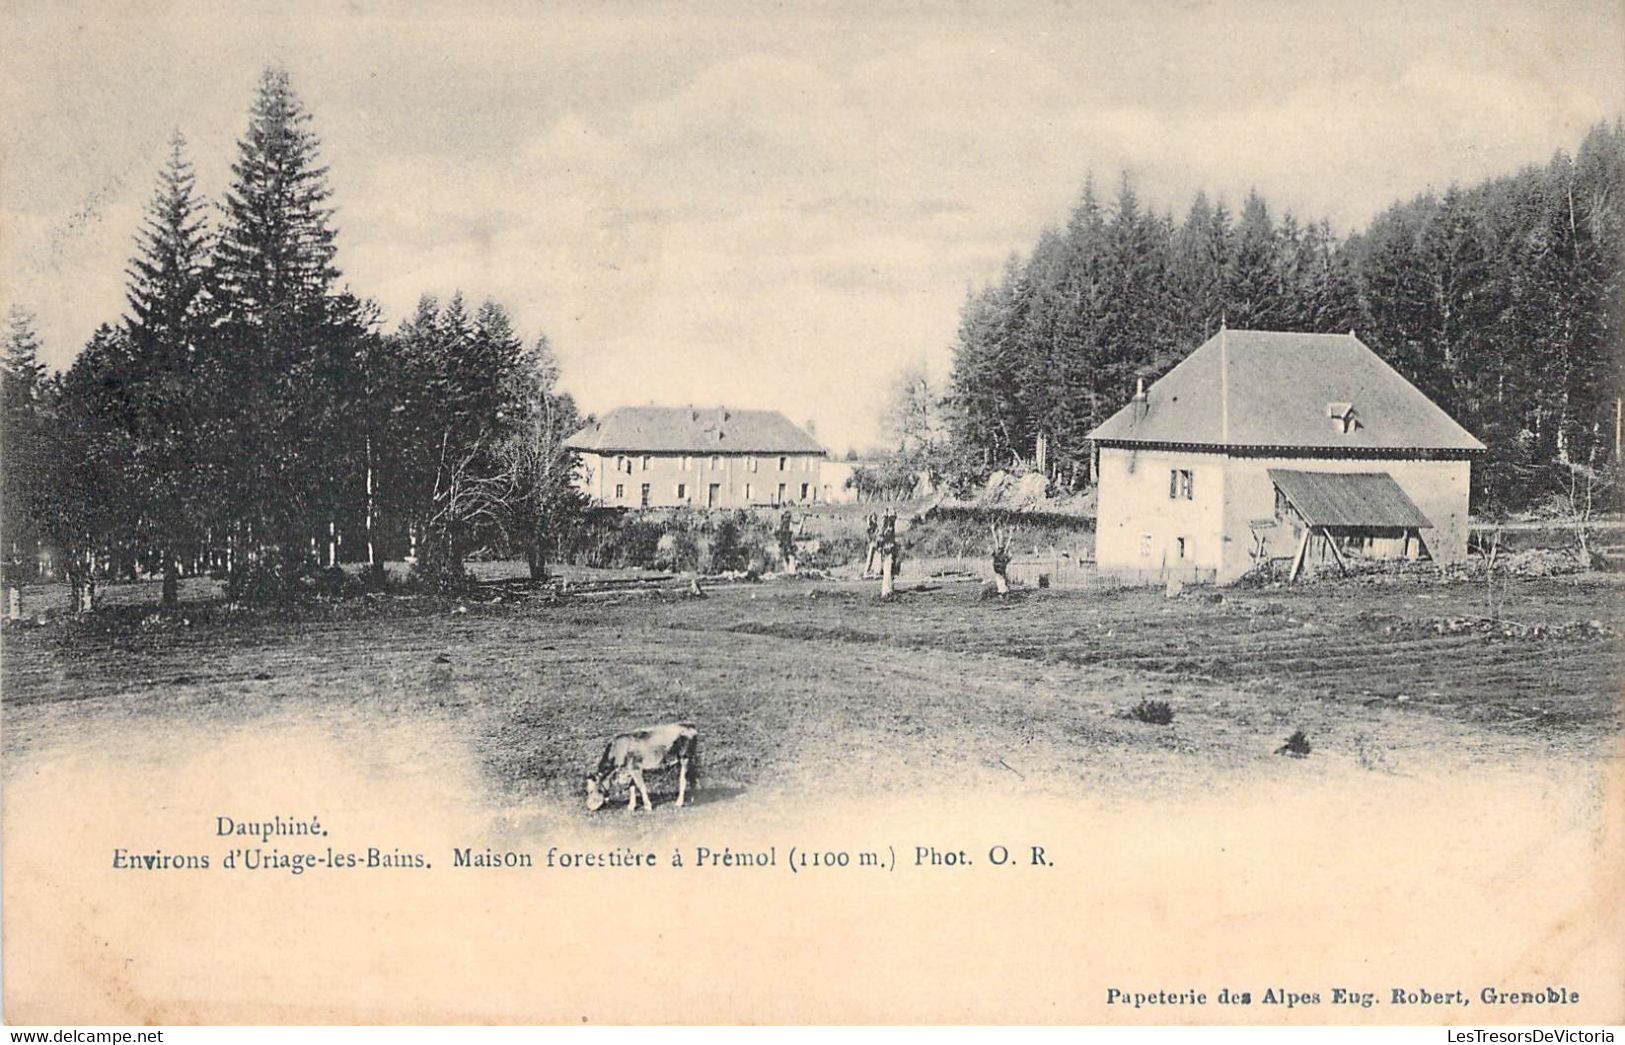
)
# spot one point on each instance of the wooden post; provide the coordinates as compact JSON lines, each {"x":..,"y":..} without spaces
{"x":1302,"y":555}
{"x":1001,"y":560}
{"x":1336,"y":554}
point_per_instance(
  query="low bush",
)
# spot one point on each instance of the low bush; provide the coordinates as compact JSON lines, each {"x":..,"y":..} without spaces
{"x":1153,"y":712}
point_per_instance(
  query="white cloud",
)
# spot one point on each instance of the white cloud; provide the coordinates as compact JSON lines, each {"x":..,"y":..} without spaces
{"x":771,"y":210}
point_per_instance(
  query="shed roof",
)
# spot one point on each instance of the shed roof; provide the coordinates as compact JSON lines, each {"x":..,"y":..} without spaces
{"x":695,"y":430}
{"x":1366,"y":500}
{"x":1254,"y":388}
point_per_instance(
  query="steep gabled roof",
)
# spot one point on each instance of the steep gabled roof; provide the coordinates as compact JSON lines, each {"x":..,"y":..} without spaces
{"x":694,"y":430}
{"x":1253,"y":388}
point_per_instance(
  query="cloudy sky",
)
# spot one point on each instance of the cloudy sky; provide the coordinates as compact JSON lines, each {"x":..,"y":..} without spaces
{"x":746,"y":204}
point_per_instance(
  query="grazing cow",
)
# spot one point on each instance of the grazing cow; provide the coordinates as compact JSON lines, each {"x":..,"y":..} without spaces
{"x":652,"y":748}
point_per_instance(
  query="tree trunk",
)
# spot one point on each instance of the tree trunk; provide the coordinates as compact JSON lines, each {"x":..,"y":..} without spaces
{"x":536,"y":558}
{"x":171,"y":597}
{"x":369,"y":501}
{"x":82,"y":582}
{"x":886,"y":567}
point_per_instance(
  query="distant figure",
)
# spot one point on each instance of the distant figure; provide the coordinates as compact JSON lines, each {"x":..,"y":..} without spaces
{"x":874,"y":546}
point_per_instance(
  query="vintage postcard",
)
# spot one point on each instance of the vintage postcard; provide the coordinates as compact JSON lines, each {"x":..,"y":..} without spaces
{"x":937,"y":513}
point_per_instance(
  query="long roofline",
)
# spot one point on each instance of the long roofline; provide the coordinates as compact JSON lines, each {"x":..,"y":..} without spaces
{"x":1293,"y":450}
{"x":689,"y":430}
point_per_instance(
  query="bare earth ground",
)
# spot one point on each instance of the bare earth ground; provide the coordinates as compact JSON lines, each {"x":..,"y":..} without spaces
{"x":1463,"y":837}
{"x":803,"y":685}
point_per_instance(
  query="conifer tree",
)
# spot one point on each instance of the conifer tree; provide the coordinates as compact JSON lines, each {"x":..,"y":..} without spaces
{"x":22,"y":388}
{"x":274,"y":260}
{"x":164,"y":290}
{"x":280,"y":357}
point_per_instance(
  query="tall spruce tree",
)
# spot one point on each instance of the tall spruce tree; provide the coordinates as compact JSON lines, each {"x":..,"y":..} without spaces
{"x":165,"y":290}
{"x":275,"y":253}
{"x":1256,"y":298}
{"x":278,"y":357}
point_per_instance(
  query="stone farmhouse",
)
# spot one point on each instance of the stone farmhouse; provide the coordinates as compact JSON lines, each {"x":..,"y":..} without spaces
{"x":662,"y":456}
{"x":1263,"y":445}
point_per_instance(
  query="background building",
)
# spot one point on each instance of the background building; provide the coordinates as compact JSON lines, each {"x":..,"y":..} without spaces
{"x":661,"y":456}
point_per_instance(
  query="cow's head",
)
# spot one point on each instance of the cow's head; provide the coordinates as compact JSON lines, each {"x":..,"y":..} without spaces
{"x":595,"y":794}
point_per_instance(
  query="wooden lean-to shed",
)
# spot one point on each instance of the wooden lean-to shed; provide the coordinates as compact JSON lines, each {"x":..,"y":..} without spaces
{"x":1264,"y":445}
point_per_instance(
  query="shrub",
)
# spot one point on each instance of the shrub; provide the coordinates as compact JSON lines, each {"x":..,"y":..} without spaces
{"x":374,"y":578}
{"x":271,"y":581}
{"x":1153,"y":712}
{"x":728,"y":551}
{"x":1297,"y":745}
{"x":838,"y":551}
{"x":441,"y":576}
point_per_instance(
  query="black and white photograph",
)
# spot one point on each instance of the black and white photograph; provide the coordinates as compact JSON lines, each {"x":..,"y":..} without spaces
{"x":1065,"y":512}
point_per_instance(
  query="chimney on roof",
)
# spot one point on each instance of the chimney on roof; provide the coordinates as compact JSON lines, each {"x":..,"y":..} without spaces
{"x":1142,"y":405}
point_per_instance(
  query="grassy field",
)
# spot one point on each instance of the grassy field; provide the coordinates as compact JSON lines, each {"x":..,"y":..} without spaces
{"x":816,"y":686}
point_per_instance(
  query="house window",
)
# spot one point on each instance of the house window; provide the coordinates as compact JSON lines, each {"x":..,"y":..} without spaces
{"x":620,"y":464}
{"x":783,"y":462}
{"x":620,"y":491}
{"x":1180,"y":485}
{"x":682,"y":491}
{"x":750,"y":462}
{"x":646,"y":460}
{"x":643,"y":495}
{"x":1145,"y":546}
{"x":688,"y":462}
{"x":804,"y":488}
{"x":779,"y":498}
{"x":747,"y":493}
{"x":716,"y":462}
{"x":1180,"y":549}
